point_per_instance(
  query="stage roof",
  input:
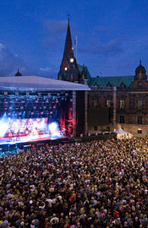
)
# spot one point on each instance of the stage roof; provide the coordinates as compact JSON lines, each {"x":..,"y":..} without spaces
{"x":38,"y":83}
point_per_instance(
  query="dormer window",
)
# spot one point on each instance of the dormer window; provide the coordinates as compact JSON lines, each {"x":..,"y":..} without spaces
{"x":109,"y":85}
{"x":122,"y":85}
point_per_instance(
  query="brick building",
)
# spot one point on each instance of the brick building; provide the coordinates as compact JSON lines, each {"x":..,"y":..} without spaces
{"x":112,"y":101}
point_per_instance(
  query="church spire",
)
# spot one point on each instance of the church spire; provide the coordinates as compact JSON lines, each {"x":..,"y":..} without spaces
{"x":68,"y":69}
{"x":68,"y":49}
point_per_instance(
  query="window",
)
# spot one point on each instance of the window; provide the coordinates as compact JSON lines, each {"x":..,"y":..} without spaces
{"x":146,"y":102}
{"x":132,"y":102}
{"x":122,"y":103}
{"x":139,"y":120}
{"x":95,"y":102}
{"x":139,"y":103}
{"x":95,"y":128}
{"x":139,"y":131}
{"x":121,"y":119}
{"x":108,"y":103}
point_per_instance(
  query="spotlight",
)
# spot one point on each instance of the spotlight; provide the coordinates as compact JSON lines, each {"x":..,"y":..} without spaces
{"x":3,"y":126}
{"x":53,"y":126}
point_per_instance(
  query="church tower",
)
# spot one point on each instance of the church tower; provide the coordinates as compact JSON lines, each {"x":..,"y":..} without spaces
{"x":69,"y":69}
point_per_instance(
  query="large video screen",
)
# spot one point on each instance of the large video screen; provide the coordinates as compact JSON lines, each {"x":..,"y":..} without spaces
{"x":12,"y":127}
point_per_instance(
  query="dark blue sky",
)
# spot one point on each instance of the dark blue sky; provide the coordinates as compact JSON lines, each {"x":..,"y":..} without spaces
{"x":112,"y":36}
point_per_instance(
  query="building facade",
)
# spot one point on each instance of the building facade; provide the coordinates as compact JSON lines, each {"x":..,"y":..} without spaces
{"x":112,"y":101}
{"x":128,"y":103}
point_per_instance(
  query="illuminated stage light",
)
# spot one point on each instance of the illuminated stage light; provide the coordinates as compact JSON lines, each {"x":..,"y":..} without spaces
{"x":53,"y":127}
{"x":23,"y":115}
{"x":3,"y":126}
{"x":27,"y":132}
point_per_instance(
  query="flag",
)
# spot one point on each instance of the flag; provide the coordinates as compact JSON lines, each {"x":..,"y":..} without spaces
{"x":75,"y":42}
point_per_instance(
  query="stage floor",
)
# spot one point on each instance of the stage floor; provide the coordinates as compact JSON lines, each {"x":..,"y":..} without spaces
{"x":29,"y":139}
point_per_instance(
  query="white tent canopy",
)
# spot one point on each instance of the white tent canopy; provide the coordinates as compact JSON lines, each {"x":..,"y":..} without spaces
{"x":121,"y":134}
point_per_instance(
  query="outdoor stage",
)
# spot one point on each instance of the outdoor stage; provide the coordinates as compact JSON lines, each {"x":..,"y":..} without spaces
{"x":9,"y":146}
{"x":17,"y":133}
{"x":30,"y":139}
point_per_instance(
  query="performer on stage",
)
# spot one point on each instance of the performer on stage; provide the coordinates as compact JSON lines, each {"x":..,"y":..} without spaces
{"x":10,"y":136}
{"x":18,"y":135}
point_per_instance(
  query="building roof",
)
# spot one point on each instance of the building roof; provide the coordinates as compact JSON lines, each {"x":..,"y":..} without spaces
{"x":38,"y":83}
{"x":113,"y":81}
{"x":81,"y":68}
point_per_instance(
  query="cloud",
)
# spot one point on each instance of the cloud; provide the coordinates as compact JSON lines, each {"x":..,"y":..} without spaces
{"x":102,"y":29}
{"x":45,"y":69}
{"x":112,"y":47}
{"x":9,"y":62}
{"x":50,"y":42}
{"x":55,"y":27}
{"x":1,"y":47}
{"x":50,"y":72}
{"x":53,"y":32}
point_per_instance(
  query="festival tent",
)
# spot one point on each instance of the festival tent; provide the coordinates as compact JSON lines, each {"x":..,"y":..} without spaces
{"x":121,"y":134}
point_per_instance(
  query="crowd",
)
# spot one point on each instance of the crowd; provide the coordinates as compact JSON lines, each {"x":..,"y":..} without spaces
{"x":92,"y":184}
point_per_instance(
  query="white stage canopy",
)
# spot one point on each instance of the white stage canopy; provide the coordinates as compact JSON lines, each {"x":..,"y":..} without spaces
{"x":39,"y":83}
